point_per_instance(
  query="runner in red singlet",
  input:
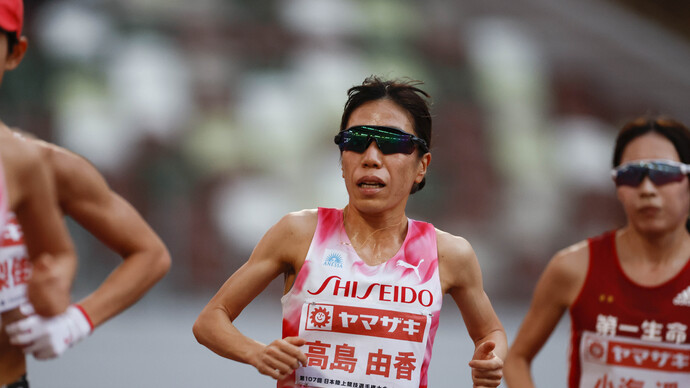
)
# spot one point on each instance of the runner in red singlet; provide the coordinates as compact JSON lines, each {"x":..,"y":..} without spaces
{"x":363,"y":284}
{"x":628,"y":290}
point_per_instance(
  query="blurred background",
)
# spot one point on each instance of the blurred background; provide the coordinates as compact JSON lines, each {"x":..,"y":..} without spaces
{"x":214,"y":118}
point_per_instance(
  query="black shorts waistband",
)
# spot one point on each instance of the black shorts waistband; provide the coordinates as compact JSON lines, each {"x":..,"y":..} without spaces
{"x":22,"y":382}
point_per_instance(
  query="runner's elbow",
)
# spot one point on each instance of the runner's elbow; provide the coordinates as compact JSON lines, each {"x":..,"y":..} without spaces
{"x":205,"y":327}
{"x":199,"y":329}
{"x":163,"y":262}
{"x":159,"y":262}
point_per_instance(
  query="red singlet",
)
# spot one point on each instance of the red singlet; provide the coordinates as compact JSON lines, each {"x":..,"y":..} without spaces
{"x":625,"y":334}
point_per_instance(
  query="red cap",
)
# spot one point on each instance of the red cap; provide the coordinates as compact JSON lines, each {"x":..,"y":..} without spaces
{"x":12,"y":16}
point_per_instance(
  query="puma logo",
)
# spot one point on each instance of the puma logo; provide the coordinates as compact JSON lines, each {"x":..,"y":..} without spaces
{"x":410,"y":266}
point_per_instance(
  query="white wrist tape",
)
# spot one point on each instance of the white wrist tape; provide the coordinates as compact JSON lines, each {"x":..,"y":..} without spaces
{"x":50,"y":337}
{"x":81,"y":323}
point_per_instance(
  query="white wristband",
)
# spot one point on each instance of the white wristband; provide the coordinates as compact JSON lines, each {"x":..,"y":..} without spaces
{"x":49,"y":337}
{"x":81,"y":321}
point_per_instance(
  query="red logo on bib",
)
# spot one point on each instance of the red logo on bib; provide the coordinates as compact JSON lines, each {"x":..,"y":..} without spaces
{"x":320,"y":317}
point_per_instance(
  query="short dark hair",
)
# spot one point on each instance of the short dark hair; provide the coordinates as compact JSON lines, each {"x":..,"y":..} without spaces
{"x":677,"y":133}
{"x":12,"y":40}
{"x":404,"y":93}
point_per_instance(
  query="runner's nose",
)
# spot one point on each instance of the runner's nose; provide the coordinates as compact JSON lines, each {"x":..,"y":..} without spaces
{"x":372,"y":156}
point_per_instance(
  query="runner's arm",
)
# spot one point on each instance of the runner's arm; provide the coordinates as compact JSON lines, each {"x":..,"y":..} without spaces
{"x":50,"y":249}
{"x":279,"y":251}
{"x":86,"y":197}
{"x":461,"y":277}
{"x":556,"y":289}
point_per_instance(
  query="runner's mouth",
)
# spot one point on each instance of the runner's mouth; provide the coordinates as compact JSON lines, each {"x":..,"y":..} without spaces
{"x":370,"y":185}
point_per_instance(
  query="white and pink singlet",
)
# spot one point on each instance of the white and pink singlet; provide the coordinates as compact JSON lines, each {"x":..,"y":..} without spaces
{"x":365,"y":326}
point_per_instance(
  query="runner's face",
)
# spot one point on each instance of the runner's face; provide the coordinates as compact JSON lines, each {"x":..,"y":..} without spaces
{"x":648,"y":207}
{"x":376,"y":182}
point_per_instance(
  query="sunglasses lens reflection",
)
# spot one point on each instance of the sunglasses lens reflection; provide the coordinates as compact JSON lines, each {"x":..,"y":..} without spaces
{"x":630,"y":176}
{"x":658,"y":173}
{"x":358,"y":140}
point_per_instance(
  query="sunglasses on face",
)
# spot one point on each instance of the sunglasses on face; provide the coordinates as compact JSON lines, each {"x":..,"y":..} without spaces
{"x":389,"y":140}
{"x":660,"y":172}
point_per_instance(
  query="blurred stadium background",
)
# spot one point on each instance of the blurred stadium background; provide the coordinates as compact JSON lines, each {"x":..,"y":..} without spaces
{"x":215,"y":117}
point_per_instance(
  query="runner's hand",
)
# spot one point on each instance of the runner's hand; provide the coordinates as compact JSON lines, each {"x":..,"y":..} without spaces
{"x":280,"y":358}
{"x":49,"y":337}
{"x":487,"y":368}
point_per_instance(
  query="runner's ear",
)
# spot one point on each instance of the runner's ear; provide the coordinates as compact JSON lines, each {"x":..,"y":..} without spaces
{"x":17,"y":54}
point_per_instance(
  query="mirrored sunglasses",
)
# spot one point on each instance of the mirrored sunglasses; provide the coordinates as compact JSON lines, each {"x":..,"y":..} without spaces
{"x":660,"y":172}
{"x":388,"y":140}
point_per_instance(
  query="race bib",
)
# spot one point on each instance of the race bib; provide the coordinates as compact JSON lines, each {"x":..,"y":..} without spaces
{"x":612,"y":362}
{"x":15,"y":267}
{"x":352,"y":346}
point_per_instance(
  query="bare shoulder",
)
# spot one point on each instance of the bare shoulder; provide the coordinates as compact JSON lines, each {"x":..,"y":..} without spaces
{"x":299,"y":224}
{"x":571,"y":262}
{"x":565,"y":274}
{"x":452,"y":249}
{"x":34,"y":150}
{"x":302,"y":218}
{"x":75,"y":177}
{"x":289,"y":238}
{"x":21,"y":161}
{"x":66,"y":164}
{"x":457,"y":262}
{"x":19,"y":153}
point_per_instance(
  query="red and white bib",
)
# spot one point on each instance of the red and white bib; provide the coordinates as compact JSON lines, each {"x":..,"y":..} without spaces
{"x":369,"y":326}
{"x":15,"y":267}
{"x":4,"y":199}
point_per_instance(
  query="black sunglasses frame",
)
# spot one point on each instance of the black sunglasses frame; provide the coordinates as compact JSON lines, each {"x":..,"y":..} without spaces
{"x":386,"y":144}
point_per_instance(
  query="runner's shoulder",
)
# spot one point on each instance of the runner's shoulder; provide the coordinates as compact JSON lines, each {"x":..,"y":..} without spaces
{"x":572,"y":259}
{"x":567,"y":270}
{"x":290,"y":238}
{"x":298,"y":225}
{"x":21,"y":154}
{"x":65,"y":163}
{"x":75,"y":176}
{"x":455,"y":248}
